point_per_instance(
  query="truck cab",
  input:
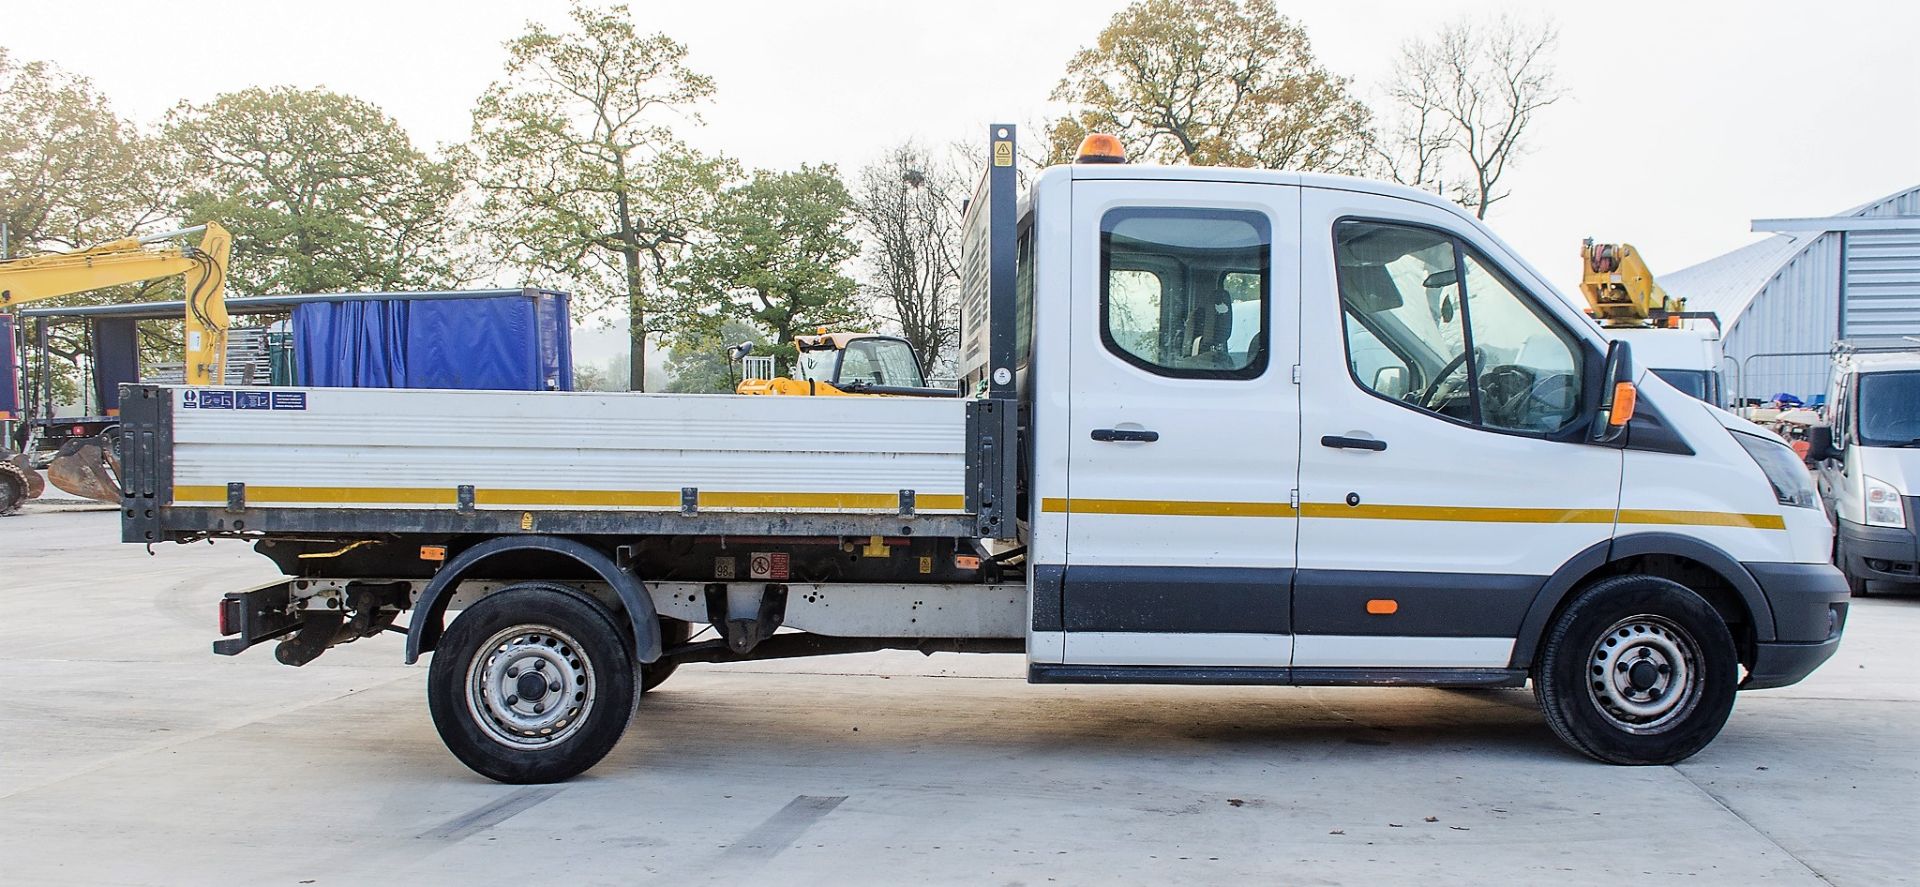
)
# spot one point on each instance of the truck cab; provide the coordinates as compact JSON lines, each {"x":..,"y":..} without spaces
{"x":1687,"y":359}
{"x":1225,"y":426}
{"x":1868,"y":460}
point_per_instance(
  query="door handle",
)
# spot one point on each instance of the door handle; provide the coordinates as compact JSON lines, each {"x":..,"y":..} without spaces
{"x":1125,"y":435}
{"x":1353,"y":443}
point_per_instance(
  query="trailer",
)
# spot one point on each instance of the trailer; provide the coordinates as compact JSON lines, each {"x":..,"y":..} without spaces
{"x":1221,"y":426}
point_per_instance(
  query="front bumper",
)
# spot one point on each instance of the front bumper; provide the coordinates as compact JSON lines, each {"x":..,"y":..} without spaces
{"x":1809,"y":603}
{"x":1890,"y":554}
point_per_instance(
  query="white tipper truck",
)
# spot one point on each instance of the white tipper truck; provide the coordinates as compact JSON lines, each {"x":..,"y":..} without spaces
{"x":1221,"y":426}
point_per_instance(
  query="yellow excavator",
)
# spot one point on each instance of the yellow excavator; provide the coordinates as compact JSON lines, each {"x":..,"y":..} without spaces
{"x":90,"y":467}
{"x":841,"y":364}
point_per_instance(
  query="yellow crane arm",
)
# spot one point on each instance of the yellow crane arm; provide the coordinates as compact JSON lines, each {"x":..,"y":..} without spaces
{"x":133,"y":260}
{"x":1619,"y":286}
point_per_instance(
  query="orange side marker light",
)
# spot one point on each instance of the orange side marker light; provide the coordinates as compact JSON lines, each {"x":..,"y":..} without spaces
{"x":1383,"y":606}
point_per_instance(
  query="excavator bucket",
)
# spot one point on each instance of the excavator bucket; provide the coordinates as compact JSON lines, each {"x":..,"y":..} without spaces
{"x":88,"y":468}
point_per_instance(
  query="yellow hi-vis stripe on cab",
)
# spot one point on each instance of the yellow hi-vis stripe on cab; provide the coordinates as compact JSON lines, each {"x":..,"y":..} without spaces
{"x":568,"y":498}
{"x":1456,"y":513}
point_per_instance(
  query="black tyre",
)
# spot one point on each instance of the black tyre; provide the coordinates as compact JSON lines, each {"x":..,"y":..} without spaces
{"x":1638,"y":670}
{"x":532,"y":684}
{"x":673,"y":633}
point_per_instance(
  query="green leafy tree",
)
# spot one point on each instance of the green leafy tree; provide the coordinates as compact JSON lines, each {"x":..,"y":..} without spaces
{"x":699,"y":362}
{"x":73,"y":173}
{"x":581,"y":175}
{"x":1214,"y":83}
{"x":323,"y":192}
{"x":773,"y":258}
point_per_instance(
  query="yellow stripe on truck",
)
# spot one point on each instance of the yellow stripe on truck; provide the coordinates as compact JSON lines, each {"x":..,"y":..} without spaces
{"x":568,"y":498}
{"x":1455,"y":513}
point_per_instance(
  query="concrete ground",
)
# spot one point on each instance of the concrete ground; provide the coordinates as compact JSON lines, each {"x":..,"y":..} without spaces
{"x":129,"y":754}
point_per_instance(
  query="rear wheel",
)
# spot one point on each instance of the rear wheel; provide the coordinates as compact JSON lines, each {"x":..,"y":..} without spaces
{"x":1638,"y":670}
{"x":532,"y":684}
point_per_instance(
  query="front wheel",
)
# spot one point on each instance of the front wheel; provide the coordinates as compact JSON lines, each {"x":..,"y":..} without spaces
{"x":1638,"y":670}
{"x":531,"y":684}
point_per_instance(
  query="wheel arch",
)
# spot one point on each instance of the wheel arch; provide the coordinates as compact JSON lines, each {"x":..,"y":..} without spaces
{"x":429,"y":612}
{"x":1701,"y":566}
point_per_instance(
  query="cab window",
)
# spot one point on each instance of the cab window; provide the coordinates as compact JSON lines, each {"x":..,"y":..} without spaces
{"x":880,"y":362}
{"x":1184,"y":291}
{"x":1431,"y":325}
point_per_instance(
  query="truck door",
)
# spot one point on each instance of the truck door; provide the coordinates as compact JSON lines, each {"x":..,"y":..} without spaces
{"x":1183,"y":433}
{"x":1444,"y":474}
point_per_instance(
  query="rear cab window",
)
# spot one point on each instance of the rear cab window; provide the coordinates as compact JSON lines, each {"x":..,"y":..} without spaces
{"x":1183,"y":292}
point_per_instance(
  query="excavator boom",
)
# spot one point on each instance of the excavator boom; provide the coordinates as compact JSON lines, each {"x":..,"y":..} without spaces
{"x":130,"y":261}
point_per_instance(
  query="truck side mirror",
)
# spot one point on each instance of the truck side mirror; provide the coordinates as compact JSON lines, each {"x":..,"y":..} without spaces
{"x":1618,"y":396}
{"x":1820,"y":443}
{"x":1391,"y":381}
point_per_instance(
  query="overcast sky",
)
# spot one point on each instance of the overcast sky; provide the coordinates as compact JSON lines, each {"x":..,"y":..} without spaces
{"x":1683,"y":120}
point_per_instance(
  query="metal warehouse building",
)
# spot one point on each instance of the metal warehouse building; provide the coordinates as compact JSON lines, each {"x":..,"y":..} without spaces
{"x":1784,"y":302}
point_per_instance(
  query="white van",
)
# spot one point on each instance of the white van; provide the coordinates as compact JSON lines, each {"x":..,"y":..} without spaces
{"x":1868,"y":458}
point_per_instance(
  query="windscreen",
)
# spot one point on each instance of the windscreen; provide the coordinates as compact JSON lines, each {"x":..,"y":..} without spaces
{"x":1889,"y":409}
{"x":887,"y":362}
{"x":1697,"y":384}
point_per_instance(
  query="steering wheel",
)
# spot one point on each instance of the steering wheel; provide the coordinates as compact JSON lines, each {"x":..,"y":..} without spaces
{"x":1429,"y":397}
{"x":1519,"y":397}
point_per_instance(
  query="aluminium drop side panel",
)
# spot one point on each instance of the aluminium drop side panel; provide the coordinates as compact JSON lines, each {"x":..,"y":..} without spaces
{"x":370,"y":448}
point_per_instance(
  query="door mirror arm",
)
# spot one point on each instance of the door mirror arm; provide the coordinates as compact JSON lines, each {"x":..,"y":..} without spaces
{"x":1617,"y":397}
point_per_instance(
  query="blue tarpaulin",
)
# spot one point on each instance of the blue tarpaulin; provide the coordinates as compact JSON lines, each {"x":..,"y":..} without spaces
{"x":517,"y":343}
{"x":9,"y":374}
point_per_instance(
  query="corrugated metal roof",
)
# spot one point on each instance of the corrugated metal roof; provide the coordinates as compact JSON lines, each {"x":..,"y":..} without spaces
{"x":1726,"y":285}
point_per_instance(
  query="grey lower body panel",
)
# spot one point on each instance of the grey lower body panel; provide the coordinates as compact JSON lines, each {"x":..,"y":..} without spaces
{"x":1259,"y":676}
{"x":1780,"y":665}
{"x":1809,"y":603}
{"x":1884,"y":554}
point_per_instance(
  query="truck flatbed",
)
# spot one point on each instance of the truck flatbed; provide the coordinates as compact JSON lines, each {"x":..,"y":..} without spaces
{"x":294,"y":460}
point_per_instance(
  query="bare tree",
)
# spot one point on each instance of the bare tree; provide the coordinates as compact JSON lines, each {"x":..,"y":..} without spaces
{"x":1464,"y":101}
{"x":909,"y":216}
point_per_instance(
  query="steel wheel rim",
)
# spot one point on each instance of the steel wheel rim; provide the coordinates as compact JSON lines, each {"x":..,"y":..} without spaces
{"x":1645,"y":673}
{"x":501,"y":693}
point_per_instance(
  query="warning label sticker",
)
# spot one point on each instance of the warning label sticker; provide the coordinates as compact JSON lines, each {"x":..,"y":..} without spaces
{"x":772,"y":565}
{"x":252,"y":400}
{"x":289,"y":400}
